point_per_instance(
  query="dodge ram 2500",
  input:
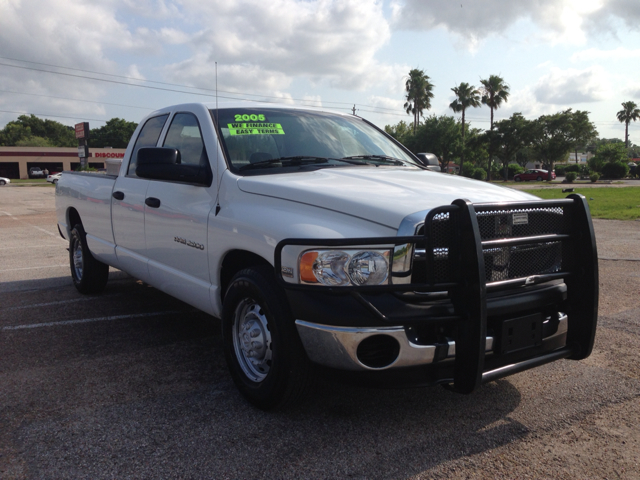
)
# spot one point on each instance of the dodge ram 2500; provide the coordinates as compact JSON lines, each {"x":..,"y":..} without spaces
{"x":321,"y":242}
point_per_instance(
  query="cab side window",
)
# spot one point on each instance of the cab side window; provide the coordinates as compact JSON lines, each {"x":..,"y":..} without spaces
{"x":148,"y":137}
{"x":184,"y":135}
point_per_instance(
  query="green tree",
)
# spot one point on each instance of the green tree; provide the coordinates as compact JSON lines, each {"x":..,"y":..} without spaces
{"x":630,"y":112}
{"x":419,"y":94}
{"x":400,"y":131}
{"x":466,"y":96}
{"x":440,"y":136}
{"x":115,"y":133}
{"x":27,"y":126}
{"x":584,"y":131}
{"x":494,"y":92}
{"x":525,"y":155}
{"x":33,"y":141}
{"x":12,"y":133}
{"x":508,"y":138}
{"x":553,"y":137}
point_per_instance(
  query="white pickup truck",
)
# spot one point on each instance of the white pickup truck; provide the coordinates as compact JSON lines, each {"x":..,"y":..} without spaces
{"x":322,"y":243}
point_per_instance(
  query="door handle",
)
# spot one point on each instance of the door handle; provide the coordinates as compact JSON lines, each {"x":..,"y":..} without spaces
{"x":152,"y":202}
{"x":118,"y":195}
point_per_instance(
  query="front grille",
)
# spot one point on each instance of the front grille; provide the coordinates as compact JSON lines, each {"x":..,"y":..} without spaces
{"x":501,"y":263}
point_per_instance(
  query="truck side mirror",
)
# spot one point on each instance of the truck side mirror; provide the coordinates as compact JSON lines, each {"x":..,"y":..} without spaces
{"x":162,"y":163}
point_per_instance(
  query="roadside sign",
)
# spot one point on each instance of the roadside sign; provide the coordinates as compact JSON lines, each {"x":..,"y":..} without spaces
{"x":82,"y":130}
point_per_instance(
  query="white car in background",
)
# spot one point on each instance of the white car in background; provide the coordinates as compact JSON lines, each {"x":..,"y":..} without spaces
{"x":4,"y":181}
{"x":53,"y":178}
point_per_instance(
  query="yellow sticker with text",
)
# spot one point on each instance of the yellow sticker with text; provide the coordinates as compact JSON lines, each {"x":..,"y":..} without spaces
{"x":255,"y":128}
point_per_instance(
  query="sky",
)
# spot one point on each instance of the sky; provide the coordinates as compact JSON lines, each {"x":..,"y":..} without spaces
{"x":74,"y":61}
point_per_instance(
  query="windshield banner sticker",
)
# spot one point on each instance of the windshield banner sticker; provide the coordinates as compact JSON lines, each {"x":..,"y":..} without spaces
{"x":255,"y":129}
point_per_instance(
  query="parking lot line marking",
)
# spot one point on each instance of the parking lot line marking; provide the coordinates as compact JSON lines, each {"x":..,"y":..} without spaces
{"x":39,"y":246}
{"x":34,"y":226}
{"x":61,"y":302}
{"x":33,"y":268}
{"x":89,"y":320}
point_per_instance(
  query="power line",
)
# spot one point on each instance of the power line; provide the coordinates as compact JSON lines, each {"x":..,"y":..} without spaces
{"x":53,"y":116}
{"x":78,"y":100}
{"x":167,"y":89}
{"x":172,"y":84}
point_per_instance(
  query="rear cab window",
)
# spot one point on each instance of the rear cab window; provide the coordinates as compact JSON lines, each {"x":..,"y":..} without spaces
{"x":148,"y":137}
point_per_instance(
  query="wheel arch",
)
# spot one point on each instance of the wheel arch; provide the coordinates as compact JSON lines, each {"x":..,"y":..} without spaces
{"x":73,"y":219}
{"x":233,"y":262}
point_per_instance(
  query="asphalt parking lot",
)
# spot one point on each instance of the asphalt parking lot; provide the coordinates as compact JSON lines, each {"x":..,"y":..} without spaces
{"x":132,"y":383}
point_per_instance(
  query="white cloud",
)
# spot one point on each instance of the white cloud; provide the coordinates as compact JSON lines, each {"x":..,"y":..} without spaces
{"x":473,"y":21}
{"x":570,"y":86}
{"x":620,"y":53}
{"x":334,"y":40}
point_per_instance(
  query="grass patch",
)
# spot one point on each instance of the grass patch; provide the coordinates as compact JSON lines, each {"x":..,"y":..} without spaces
{"x":610,"y":203}
{"x":29,"y":180}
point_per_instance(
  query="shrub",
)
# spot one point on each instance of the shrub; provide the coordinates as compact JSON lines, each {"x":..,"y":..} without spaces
{"x":585,"y":172}
{"x":560,"y":170}
{"x":480,"y":174}
{"x":596,"y":164}
{"x":615,"y":170}
{"x":571,"y":168}
{"x":468,"y":169}
{"x":571,"y":176}
{"x":514,"y":169}
{"x":594,"y":177}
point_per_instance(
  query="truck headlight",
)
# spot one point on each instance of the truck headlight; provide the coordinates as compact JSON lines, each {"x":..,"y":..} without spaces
{"x":338,"y":268}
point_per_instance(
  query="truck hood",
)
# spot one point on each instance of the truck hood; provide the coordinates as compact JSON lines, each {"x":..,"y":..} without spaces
{"x":383,"y":195}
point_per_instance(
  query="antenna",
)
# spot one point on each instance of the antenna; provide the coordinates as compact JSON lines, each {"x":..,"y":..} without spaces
{"x":217,"y":147}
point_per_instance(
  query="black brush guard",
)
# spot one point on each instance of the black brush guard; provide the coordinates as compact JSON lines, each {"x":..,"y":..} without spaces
{"x":467,"y":281}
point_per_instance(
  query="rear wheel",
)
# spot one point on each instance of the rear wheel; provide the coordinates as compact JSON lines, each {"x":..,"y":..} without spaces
{"x":264,"y":353}
{"x":89,"y":275}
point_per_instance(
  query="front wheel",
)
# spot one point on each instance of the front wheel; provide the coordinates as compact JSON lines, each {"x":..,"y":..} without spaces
{"x":539,"y":179}
{"x":264,"y":353}
{"x":89,"y":275}
{"x":518,"y":179}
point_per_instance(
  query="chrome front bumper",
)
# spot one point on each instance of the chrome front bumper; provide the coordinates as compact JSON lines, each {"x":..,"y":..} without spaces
{"x":337,"y":347}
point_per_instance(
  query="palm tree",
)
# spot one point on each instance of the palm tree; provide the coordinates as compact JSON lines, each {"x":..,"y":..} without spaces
{"x":629,"y":112}
{"x":494,"y":92}
{"x":419,"y":94}
{"x":466,"y":96}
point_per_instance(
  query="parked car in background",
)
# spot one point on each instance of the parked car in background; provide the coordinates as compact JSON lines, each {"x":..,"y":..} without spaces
{"x":535,"y":174}
{"x":53,"y":178}
{"x":4,"y":181}
{"x":36,"y":172}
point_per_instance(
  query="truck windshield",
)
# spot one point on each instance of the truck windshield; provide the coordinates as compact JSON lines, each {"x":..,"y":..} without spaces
{"x":265,"y":141}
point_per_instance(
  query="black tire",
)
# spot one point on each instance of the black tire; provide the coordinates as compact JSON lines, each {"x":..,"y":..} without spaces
{"x":518,"y":179}
{"x":89,"y":275}
{"x":2,"y":182}
{"x":55,"y":181}
{"x":539,"y":179}
{"x":272,"y":371}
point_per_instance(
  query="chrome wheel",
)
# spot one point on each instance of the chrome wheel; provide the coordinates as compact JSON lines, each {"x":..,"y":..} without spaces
{"x":252,"y":340}
{"x":78,"y":263}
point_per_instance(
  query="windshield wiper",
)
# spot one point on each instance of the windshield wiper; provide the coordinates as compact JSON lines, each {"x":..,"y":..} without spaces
{"x":286,"y":161}
{"x":297,"y":160}
{"x":382,"y":158}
